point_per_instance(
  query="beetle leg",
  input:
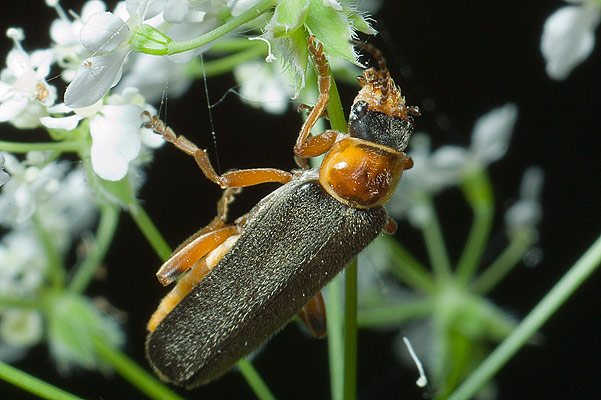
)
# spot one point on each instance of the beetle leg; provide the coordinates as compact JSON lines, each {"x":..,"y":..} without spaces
{"x":390,"y":226}
{"x":313,"y":315}
{"x":231,"y":179}
{"x":307,"y":146}
{"x":309,"y":108}
{"x":201,"y":243}
{"x":197,"y":272}
{"x":408,"y":162}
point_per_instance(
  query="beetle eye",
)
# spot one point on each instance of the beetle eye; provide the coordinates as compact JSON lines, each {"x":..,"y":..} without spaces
{"x":359,"y":109}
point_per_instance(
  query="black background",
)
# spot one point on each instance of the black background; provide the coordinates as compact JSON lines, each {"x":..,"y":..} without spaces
{"x":466,"y":57}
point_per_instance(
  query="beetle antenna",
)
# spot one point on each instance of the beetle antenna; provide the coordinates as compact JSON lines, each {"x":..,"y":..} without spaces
{"x":379,"y":57}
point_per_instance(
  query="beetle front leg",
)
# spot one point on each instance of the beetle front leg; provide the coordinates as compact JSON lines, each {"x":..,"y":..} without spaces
{"x":310,"y":146}
{"x":231,"y":179}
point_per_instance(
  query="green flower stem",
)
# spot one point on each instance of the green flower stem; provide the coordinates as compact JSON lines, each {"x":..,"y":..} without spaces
{"x":478,"y":191}
{"x":562,"y":290}
{"x":336,"y":335}
{"x":334,"y":309}
{"x":222,"y":65}
{"x":394,"y":314}
{"x":22,"y":303}
{"x":109,"y":218}
{"x":476,"y":242}
{"x":503,"y":264}
{"x":32,"y":384}
{"x":232,"y":44}
{"x":133,"y":373}
{"x":65,"y":146}
{"x":254,"y":380}
{"x":150,"y":231}
{"x":350,"y":330}
{"x":435,"y":244}
{"x":406,"y":267}
{"x":247,"y":16}
{"x":56,"y":268}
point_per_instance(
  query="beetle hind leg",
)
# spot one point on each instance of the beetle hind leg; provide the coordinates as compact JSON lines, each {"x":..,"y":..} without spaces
{"x":313,"y":315}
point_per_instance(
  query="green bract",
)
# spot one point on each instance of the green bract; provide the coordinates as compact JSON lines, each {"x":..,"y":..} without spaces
{"x":147,"y":39}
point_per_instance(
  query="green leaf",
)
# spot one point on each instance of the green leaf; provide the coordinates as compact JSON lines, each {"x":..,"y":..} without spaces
{"x":72,"y":322}
{"x":333,"y":29}
{"x":361,"y":24}
{"x":297,"y":43}
{"x":289,"y":15}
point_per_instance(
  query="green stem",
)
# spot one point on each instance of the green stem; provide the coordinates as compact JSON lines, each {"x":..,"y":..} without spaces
{"x":22,"y":303}
{"x":334,"y":306}
{"x":350,"y":331}
{"x":503,"y":264}
{"x":393,"y":315}
{"x":435,"y":244}
{"x":470,"y":258}
{"x":233,"y":44}
{"x":109,"y":218}
{"x":562,"y":290}
{"x":56,"y":269}
{"x":68,"y":146}
{"x":254,"y":380}
{"x":406,"y":267}
{"x":149,"y":230}
{"x":247,"y":16}
{"x":32,"y":384}
{"x":133,"y":373}
{"x":479,"y":193}
{"x":222,"y":65}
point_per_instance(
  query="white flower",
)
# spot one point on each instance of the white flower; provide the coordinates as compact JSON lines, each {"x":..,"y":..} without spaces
{"x":4,"y":177}
{"x":32,"y":181}
{"x":65,"y":32}
{"x":23,"y":263}
{"x":265,"y":85}
{"x":153,"y":75}
{"x":106,"y":35}
{"x":116,"y":130}
{"x":490,"y":141}
{"x":526,"y":213}
{"x":21,"y":327}
{"x":569,"y":37}
{"x":24,"y":93}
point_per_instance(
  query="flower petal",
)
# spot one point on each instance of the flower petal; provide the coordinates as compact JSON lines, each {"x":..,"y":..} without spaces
{"x":491,"y":134}
{"x":103,"y":32}
{"x":67,"y":123}
{"x":11,"y":108}
{"x":94,"y":79}
{"x":115,"y":140}
{"x":568,"y":38}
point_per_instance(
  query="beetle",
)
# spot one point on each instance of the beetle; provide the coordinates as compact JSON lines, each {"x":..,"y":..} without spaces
{"x":246,"y":280}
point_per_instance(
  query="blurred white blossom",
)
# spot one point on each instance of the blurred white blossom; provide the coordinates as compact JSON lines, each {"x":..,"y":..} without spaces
{"x":450,"y":165}
{"x":527,"y":212}
{"x":569,"y":36}
{"x":265,"y":85}
{"x":4,"y":177}
{"x":24,"y":92}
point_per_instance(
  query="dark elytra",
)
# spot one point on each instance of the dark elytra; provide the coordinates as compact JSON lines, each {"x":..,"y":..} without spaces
{"x":295,"y":241}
